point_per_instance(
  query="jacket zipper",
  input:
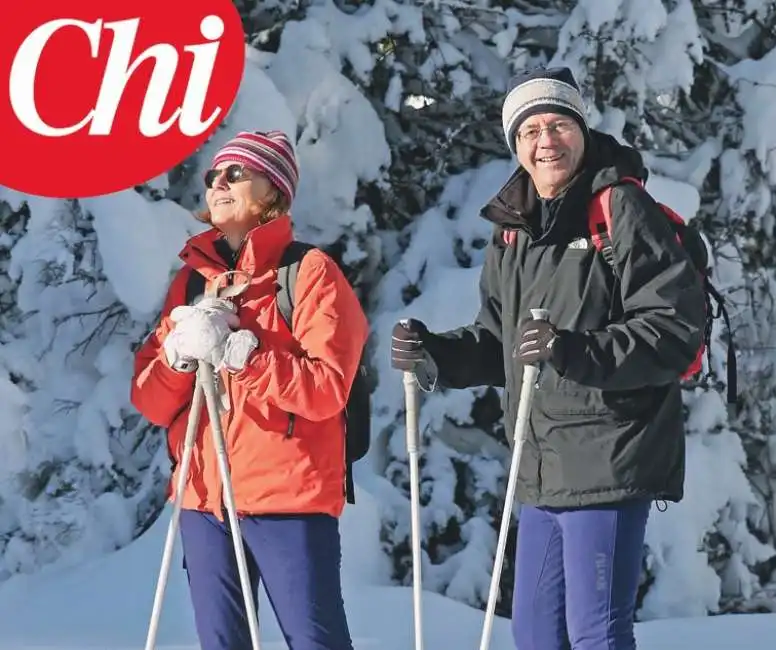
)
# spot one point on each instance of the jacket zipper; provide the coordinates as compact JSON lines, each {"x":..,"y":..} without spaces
{"x":290,"y":427}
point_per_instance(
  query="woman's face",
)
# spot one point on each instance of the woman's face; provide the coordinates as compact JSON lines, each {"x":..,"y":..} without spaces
{"x":237,"y":198}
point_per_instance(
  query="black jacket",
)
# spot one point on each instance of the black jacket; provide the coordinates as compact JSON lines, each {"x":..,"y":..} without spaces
{"x":611,"y":427}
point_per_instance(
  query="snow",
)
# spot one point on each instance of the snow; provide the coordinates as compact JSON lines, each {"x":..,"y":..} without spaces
{"x":77,"y":479}
{"x":681,"y":197}
{"x":685,"y":583}
{"x":757,"y":92}
{"x":671,"y":67}
{"x":666,"y":47}
{"x":115,"y":592}
{"x":126,"y":221}
{"x":330,"y":115}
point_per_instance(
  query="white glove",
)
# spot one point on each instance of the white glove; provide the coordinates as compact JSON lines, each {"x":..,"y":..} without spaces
{"x":214,"y":306}
{"x":239,"y":346}
{"x":200,"y":333}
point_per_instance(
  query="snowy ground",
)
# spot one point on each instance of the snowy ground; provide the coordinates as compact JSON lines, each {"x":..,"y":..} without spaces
{"x":105,"y":604}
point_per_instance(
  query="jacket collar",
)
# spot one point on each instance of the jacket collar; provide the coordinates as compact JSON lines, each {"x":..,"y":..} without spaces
{"x":606,"y":161}
{"x":260,"y":251}
{"x":518,"y":206}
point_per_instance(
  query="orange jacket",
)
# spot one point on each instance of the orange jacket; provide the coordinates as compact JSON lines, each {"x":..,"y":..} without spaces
{"x":274,"y":469}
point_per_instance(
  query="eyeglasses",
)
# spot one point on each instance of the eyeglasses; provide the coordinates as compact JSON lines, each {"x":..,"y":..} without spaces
{"x":533,"y":133}
{"x":234,"y":174}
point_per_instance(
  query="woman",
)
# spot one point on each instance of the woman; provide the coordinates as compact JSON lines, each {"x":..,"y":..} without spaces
{"x":284,"y":428}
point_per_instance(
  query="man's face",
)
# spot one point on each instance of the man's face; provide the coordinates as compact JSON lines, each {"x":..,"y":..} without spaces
{"x":550,"y":147}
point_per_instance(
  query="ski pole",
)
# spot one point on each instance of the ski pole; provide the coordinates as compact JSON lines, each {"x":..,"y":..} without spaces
{"x":172,"y":528}
{"x":530,"y":375}
{"x":411,"y":399}
{"x":204,"y":390}
{"x":207,"y":377}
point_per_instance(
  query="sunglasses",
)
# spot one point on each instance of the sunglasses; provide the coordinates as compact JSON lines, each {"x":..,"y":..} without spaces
{"x":234,"y":174}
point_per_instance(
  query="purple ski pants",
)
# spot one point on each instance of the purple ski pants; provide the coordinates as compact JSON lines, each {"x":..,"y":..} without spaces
{"x":577,"y":576}
{"x":296,"y":557}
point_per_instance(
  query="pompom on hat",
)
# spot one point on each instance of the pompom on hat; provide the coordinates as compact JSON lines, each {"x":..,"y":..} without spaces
{"x":541,"y":90}
{"x":267,"y":152}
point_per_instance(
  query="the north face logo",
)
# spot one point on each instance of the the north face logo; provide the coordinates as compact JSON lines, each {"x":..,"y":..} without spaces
{"x":579,"y":244}
{"x":102,"y":96}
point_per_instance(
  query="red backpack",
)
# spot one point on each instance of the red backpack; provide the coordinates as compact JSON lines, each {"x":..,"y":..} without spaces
{"x":600,"y":225}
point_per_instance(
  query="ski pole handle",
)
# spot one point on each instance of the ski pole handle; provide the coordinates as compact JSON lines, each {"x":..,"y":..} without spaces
{"x":540,"y":314}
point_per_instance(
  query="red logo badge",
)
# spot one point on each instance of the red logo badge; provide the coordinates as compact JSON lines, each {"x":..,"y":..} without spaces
{"x":103,"y":96}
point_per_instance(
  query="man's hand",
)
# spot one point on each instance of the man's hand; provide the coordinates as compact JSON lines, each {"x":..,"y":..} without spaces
{"x":540,"y":341}
{"x":407,"y":350}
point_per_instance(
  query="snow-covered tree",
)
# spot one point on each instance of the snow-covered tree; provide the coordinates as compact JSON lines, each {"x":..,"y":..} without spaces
{"x":79,"y":465}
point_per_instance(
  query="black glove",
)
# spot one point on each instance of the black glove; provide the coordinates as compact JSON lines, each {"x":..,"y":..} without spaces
{"x":407,"y":350}
{"x":540,"y":341}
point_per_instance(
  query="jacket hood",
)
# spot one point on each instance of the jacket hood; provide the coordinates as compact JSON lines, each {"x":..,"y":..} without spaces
{"x":605,"y":163}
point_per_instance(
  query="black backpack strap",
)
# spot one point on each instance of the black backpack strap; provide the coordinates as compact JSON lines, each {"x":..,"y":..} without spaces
{"x":732,"y":370}
{"x":350,"y":488}
{"x":195,"y":286}
{"x":288,"y":269}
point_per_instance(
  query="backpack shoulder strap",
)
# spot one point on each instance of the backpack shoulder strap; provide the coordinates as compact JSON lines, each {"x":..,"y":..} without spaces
{"x":195,"y":286}
{"x":600,"y":219}
{"x":288,"y":269}
{"x":508,"y":237}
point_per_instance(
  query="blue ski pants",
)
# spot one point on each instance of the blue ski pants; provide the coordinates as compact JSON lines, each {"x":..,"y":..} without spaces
{"x":577,"y":576}
{"x":296,"y":557}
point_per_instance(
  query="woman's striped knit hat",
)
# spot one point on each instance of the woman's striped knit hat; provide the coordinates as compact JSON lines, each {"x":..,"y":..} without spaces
{"x":267,"y":152}
{"x":543,"y":90}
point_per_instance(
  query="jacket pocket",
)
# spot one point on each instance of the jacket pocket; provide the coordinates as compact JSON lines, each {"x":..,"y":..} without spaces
{"x":267,"y":417}
{"x":570,"y":401}
{"x":634,"y":405}
{"x":567,"y":398}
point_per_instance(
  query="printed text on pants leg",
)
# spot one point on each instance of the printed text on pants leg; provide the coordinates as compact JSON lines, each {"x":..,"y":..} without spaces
{"x":602,"y":555}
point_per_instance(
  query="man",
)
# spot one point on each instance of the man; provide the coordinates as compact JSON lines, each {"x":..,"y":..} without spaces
{"x":606,"y":433}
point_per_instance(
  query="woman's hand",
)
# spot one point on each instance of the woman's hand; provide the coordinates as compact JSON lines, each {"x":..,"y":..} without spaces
{"x":200,"y":333}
